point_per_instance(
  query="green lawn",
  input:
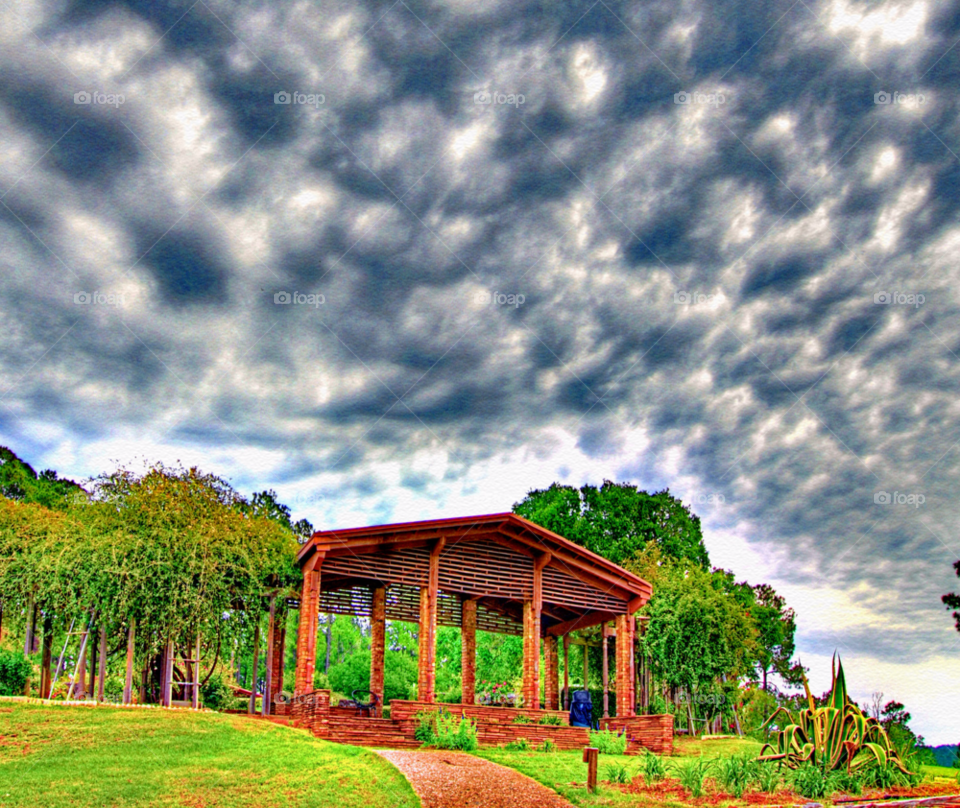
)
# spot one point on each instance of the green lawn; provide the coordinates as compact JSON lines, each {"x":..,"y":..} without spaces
{"x":943,"y":771}
{"x":100,"y":756}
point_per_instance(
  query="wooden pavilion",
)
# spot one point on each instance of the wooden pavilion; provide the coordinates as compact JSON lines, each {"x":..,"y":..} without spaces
{"x":497,"y":572}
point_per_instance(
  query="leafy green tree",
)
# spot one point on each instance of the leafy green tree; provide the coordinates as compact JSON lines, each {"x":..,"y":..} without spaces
{"x":399,"y":675}
{"x":952,"y":600}
{"x":617,"y":520}
{"x":266,"y":504}
{"x":19,"y":482}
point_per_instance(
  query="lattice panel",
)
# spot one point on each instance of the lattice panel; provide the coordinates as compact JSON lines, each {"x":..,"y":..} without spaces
{"x":563,"y":589}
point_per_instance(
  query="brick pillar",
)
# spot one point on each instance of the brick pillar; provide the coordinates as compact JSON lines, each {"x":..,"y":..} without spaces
{"x":531,"y":638}
{"x":307,"y":628}
{"x":276,"y":658}
{"x":266,"y":702}
{"x":426,"y":677}
{"x":625,"y":698}
{"x":551,"y":673}
{"x":604,"y":673}
{"x":468,"y":645}
{"x":378,"y":640}
{"x":566,"y":671}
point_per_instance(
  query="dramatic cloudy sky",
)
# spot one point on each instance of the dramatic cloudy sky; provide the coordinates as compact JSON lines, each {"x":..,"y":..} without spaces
{"x":660,"y":253}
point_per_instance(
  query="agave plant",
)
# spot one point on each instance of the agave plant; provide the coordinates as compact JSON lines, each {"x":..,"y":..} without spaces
{"x":831,"y":737}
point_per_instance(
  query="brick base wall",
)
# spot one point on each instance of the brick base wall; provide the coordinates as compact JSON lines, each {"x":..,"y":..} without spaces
{"x":311,"y":711}
{"x":653,"y":732}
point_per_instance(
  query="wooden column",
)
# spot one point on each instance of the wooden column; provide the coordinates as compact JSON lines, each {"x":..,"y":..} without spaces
{"x":566,"y":671}
{"x":128,"y":681}
{"x":45,"y":678}
{"x":102,"y":664}
{"x":426,"y":677}
{"x":268,"y":673}
{"x":624,"y":650}
{"x":605,"y":672}
{"x":283,"y":653}
{"x":252,"y":707}
{"x":378,"y":641}
{"x":276,"y":668}
{"x":195,"y":700}
{"x":307,"y":625}
{"x":551,"y":673}
{"x":531,"y":637}
{"x":167,"y":679}
{"x":468,"y":651}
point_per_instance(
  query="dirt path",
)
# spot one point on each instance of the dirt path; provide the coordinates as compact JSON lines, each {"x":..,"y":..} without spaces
{"x":457,"y":780}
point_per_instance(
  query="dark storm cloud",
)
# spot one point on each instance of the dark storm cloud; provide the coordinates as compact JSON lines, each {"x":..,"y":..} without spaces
{"x":705,"y":271}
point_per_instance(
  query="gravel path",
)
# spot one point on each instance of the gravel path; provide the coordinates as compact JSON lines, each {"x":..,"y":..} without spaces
{"x":447,"y":779}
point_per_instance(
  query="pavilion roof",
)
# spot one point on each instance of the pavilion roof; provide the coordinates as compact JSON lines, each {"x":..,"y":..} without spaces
{"x":489,"y":558}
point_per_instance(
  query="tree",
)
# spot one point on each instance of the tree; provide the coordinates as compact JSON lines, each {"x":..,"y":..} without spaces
{"x":266,"y":504}
{"x":952,"y":600}
{"x":776,"y":624}
{"x":19,"y":482}
{"x":617,"y":520}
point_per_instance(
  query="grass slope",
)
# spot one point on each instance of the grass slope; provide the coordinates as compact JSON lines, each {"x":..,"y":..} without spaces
{"x":88,"y":756}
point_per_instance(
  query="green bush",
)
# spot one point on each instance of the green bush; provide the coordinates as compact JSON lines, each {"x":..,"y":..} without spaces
{"x":399,"y":675}
{"x":547,"y":746}
{"x":850,"y":783}
{"x":608,"y":743}
{"x":522,"y":719}
{"x":617,"y":773}
{"x":652,"y":767}
{"x":519,"y":745}
{"x":692,"y":776}
{"x":15,"y":671}
{"x":426,"y":729}
{"x":736,"y":773}
{"x":812,"y":782}
{"x":768,"y":778}
{"x":550,"y":721}
{"x":217,"y":694}
{"x":446,"y":731}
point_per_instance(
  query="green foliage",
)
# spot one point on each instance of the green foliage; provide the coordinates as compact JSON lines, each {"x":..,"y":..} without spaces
{"x":19,"y":482}
{"x":445,"y":731}
{"x":519,"y":745}
{"x":550,"y":721}
{"x":848,"y":782}
{"x":547,"y":746}
{"x":522,"y":719}
{"x":15,"y":670}
{"x":426,"y":729}
{"x":831,"y":737}
{"x":617,"y":773}
{"x":768,"y":779}
{"x":736,"y":773}
{"x":607,"y":742}
{"x":217,"y":693}
{"x":811,"y":781}
{"x":693,"y":774}
{"x":399,"y":674}
{"x":758,"y":704}
{"x":952,"y":600}
{"x":652,"y":767}
{"x":617,"y":520}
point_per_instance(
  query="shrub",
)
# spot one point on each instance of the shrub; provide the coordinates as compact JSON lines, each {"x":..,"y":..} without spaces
{"x":519,"y":745}
{"x":849,"y":782}
{"x":216,"y":694}
{"x":652,"y":767}
{"x":446,"y":731}
{"x":426,"y":729}
{"x":812,"y":782}
{"x":736,"y":772}
{"x":693,"y":775}
{"x":768,"y":778}
{"x":522,"y":719}
{"x":550,"y":721}
{"x":15,"y":671}
{"x":547,"y":746}
{"x":617,"y":773}
{"x":609,"y":743}
{"x":399,"y":675}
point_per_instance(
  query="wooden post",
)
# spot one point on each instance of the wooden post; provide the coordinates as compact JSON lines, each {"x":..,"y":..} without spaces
{"x":605,"y":672}
{"x":282,"y":645}
{"x":276,"y":668}
{"x":252,"y":708}
{"x":378,"y":642}
{"x":30,"y":626}
{"x":195,"y":701}
{"x":167,"y":674}
{"x":590,"y":758}
{"x":102,"y":664}
{"x":128,"y":681}
{"x":268,"y":674}
{"x":307,"y":626}
{"x":80,"y":677}
{"x":566,"y":671}
{"x":426,"y":674}
{"x":45,"y":680}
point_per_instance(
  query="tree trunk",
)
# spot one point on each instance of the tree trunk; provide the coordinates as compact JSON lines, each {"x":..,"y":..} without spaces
{"x":128,"y":681}
{"x":252,"y":708}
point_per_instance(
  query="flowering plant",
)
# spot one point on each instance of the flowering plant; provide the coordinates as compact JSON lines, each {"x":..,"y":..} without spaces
{"x":494,"y":693}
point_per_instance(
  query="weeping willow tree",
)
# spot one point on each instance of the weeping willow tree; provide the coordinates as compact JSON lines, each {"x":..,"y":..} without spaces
{"x":176,"y":550}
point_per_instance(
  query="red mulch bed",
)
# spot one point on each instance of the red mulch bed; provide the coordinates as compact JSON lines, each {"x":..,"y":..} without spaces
{"x":671,"y":790}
